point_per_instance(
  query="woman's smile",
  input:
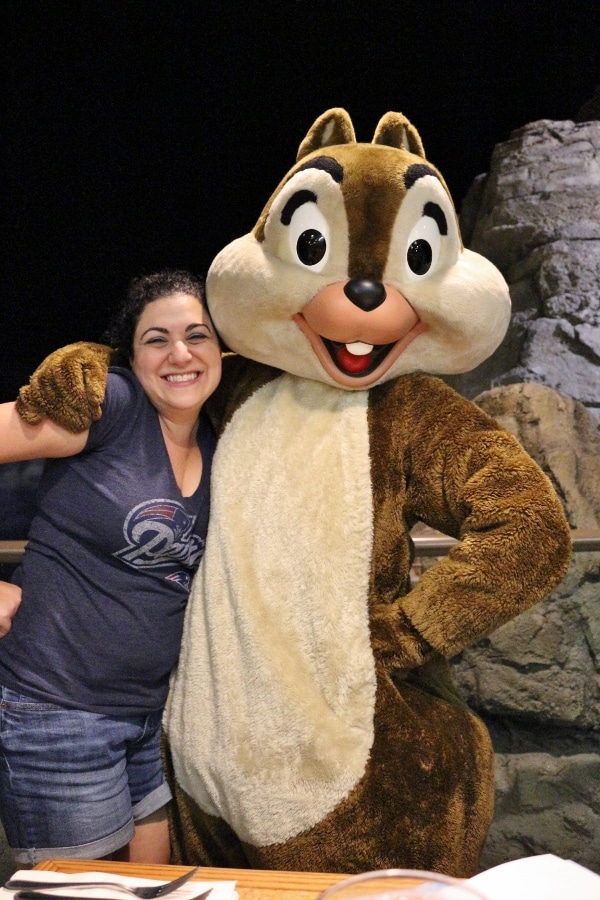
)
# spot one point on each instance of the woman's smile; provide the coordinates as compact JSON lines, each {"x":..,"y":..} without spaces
{"x":183,"y":379}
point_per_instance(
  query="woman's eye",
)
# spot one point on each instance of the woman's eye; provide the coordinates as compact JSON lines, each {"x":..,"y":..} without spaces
{"x":197,"y":337}
{"x":155,"y":340}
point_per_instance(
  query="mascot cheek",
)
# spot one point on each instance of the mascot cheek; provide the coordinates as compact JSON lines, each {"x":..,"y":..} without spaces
{"x":333,"y":315}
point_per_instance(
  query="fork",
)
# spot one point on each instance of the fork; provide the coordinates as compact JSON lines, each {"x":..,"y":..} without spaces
{"x":43,"y":895}
{"x":146,"y":893}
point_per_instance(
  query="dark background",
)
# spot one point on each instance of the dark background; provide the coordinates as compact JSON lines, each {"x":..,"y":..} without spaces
{"x":144,"y":135}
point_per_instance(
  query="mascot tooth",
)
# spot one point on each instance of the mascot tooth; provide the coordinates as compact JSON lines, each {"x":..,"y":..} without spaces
{"x":312,"y":723}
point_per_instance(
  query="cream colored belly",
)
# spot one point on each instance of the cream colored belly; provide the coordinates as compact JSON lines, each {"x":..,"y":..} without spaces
{"x":270,"y":717}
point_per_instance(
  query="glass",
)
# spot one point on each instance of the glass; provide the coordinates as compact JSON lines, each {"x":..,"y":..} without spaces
{"x":401,"y":884}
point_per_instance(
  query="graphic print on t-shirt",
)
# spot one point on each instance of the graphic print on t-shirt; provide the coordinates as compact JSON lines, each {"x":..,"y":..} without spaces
{"x":160,"y":533}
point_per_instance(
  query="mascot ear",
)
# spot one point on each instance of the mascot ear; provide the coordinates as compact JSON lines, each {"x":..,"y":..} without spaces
{"x":394,"y":130}
{"x":333,"y":127}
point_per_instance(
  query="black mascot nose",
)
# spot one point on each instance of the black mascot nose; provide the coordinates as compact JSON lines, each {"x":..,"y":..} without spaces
{"x":365,"y":293}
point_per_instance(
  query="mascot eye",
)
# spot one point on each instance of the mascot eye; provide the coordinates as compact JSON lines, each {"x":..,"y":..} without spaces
{"x":423,"y":247}
{"x":309,"y":237}
{"x":311,"y":247}
{"x":419,"y":256}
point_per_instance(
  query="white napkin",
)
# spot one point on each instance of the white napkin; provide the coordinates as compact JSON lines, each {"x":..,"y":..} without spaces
{"x":221,"y":890}
{"x":544,"y":877}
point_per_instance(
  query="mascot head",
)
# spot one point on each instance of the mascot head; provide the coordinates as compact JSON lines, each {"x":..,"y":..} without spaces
{"x":355,"y":272}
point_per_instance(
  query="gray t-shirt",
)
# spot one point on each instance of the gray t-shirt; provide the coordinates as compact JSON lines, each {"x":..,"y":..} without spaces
{"x":106,"y":573}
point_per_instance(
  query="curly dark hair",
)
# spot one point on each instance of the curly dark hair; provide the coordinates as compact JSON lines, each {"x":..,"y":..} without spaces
{"x":141,"y":291}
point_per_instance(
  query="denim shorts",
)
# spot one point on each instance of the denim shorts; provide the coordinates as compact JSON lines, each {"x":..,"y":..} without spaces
{"x":73,"y":783}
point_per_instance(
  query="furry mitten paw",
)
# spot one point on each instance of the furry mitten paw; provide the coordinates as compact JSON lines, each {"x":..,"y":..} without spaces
{"x":67,"y":387}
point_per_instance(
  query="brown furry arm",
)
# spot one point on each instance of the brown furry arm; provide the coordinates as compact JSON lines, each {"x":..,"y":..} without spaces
{"x":474,"y":480}
{"x":67,"y":387}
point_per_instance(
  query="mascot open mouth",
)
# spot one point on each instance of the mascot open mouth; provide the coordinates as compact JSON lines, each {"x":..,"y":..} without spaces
{"x":358,"y":364}
{"x":356,"y":359}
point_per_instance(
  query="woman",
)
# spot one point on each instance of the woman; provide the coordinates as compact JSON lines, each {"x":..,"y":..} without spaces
{"x":120,"y":528}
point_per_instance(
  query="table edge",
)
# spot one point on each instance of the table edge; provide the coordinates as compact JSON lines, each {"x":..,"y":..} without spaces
{"x":267,"y":879}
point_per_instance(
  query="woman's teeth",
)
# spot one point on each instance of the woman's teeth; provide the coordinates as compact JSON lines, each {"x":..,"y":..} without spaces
{"x":189,"y":376}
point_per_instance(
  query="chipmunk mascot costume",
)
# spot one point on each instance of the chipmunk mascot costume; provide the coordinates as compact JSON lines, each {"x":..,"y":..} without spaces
{"x":312,"y":723}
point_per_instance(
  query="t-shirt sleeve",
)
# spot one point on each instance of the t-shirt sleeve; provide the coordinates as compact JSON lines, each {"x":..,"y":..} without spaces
{"x":122,"y":395}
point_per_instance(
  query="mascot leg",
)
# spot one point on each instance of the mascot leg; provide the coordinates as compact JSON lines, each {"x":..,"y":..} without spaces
{"x":196,"y":838}
{"x":424,"y":802}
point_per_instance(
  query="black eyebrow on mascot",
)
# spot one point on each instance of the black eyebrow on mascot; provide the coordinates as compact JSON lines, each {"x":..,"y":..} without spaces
{"x":312,"y":723}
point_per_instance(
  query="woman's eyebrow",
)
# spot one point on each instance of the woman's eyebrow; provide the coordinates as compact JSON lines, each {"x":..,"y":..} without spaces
{"x":166,"y":330}
{"x":154,"y":328}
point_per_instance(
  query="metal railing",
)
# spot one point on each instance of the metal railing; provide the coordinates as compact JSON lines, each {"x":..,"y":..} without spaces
{"x":11,"y":551}
{"x":425,"y":545}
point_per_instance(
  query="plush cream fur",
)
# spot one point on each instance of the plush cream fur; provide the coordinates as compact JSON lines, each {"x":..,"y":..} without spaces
{"x":288,"y":698}
{"x":312,"y":722}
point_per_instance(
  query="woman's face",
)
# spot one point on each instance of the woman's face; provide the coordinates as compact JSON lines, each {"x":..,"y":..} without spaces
{"x":176,"y":355}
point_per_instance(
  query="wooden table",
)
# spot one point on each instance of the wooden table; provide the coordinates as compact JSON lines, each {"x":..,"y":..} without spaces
{"x":251,"y":884}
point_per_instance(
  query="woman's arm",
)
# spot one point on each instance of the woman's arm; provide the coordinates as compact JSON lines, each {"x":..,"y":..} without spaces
{"x":10,"y":598}
{"x":20,"y":441}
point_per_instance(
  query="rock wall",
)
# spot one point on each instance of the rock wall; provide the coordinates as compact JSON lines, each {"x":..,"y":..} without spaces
{"x":536,"y":215}
{"x":536,"y":680}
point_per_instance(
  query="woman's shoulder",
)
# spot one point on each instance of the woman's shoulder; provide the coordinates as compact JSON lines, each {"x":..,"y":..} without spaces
{"x":123,"y":389}
{"x":124,"y":402}
{"x":122,"y":380}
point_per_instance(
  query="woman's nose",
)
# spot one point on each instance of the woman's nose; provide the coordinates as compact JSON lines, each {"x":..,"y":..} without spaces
{"x":180,"y":352}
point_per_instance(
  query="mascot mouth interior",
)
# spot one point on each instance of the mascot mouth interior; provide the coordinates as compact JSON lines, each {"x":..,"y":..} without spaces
{"x":357,"y":358}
